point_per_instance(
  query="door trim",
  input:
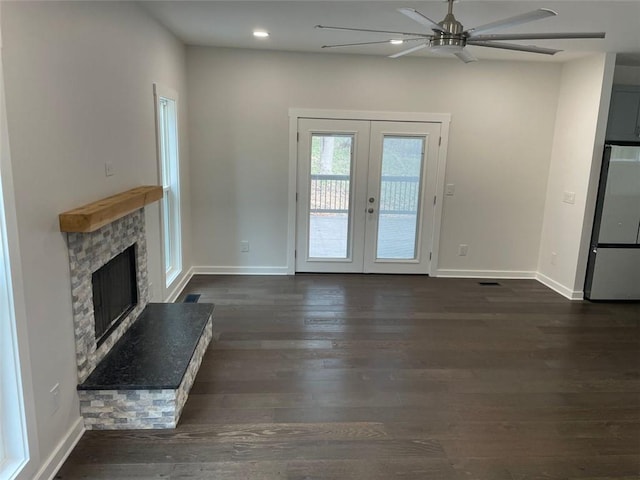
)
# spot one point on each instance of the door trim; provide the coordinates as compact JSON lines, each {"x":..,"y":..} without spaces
{"x":295,"y":113}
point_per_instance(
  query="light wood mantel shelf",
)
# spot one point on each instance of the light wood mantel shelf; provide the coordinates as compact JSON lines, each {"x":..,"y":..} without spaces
{"x":92,"y":216}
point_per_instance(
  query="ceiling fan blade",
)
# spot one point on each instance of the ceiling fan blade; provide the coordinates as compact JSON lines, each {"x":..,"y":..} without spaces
{"x":422,"y":20}
{"x":408,"y":50}
{"x":465,"y":56}
{"x":326,"y":27}
{"x":369,"y":43}
{"x":537,"y":36}
{"x":512,"y":21}
{"x":513,"y":46}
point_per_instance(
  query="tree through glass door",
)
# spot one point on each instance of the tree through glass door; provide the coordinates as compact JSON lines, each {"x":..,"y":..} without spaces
{"x":330,"y":195}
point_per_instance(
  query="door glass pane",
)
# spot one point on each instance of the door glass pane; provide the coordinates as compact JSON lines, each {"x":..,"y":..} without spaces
{"x":399,"y":197}
{"x":330,"y":195}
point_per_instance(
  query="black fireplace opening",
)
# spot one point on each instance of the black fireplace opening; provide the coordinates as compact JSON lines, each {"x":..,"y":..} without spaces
{"x":115,"y":292}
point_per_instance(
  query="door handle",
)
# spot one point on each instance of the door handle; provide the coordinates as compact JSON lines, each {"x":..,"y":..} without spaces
{"x":370,"y":210}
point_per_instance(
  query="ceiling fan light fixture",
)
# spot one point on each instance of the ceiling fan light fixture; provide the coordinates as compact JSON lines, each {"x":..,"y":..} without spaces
{"x":447,"y":44}
{"x":446,"y":49}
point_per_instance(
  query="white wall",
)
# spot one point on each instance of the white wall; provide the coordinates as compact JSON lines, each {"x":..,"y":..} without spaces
{"x":500,"y":142}
{"x":79,"y":93}
{"x":575,"y":166}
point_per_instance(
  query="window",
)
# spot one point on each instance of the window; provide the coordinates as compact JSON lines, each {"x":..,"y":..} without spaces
{"x":167,"y":131}
{"x":14,"y":449}
{"x":13,"y":446}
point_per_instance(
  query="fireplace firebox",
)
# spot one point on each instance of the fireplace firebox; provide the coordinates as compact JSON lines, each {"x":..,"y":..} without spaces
{"x":115,"y":292}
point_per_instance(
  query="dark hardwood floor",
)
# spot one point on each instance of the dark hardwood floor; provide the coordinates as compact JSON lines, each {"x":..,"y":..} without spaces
{"x":395,"y":377}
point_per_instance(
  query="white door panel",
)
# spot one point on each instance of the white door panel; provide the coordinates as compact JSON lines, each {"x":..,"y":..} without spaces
{"x":332,"y":166}
{"x":365,"y":191}
{"x":402,"y":184}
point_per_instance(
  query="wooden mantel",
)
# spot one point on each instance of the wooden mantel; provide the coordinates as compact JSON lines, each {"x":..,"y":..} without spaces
{"x":92,"y":216}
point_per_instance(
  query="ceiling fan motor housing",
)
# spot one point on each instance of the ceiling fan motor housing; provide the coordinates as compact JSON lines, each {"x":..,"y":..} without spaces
{"x":451,"y":36}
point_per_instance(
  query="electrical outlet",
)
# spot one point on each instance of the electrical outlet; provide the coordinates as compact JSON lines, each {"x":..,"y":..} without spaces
{"x":554,"y":258}
{"x":55,"y":398}
{"x":244,"y":246}
{"x":463,"y":250}
{"x":108,"y":169}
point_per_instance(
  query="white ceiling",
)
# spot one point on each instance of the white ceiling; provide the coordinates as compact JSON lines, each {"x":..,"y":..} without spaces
{"x":291,"y":24}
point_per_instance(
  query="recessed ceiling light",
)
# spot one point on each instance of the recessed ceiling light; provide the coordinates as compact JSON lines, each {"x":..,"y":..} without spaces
{"x":260,"y":34}
{"x":397,"y":41}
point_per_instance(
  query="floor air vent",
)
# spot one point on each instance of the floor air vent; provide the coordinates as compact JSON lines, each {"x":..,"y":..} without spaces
{"x":192,"y":298}
{"x":489,"y":284}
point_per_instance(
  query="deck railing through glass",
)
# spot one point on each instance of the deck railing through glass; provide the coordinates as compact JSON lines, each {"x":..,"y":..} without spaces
{"x":399,"y":194}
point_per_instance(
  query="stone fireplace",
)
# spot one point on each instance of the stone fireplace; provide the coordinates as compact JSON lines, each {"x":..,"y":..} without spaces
{"x":137,"y":363}
{"x":88,"y":252}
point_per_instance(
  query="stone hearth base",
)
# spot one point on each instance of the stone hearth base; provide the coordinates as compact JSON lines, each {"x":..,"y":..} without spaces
{"x":142,"y":408}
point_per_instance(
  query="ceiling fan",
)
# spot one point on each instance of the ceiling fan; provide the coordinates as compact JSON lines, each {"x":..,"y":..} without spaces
{"x":449,"y":36}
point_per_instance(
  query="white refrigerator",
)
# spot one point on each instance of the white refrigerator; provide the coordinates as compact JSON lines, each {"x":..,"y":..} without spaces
{"x":613,"y":272}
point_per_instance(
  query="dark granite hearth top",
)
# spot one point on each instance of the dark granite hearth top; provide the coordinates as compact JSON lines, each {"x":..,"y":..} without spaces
{"x":156,"y":350}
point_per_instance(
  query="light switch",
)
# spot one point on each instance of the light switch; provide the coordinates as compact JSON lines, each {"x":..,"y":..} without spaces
{"x":569,"y":197}
{"x":108,"y":169}
{"x":450,"y":190}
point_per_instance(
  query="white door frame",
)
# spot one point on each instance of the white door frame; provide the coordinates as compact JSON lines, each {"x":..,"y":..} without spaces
{"x":295,"y":113}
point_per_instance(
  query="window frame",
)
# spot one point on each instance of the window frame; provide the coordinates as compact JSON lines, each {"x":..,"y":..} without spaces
{"x":168,"y":153}
{"x":14,"y":451}
{"x":17,"y":410}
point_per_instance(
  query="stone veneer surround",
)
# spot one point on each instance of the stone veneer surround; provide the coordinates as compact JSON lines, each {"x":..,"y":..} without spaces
{"x":87,"y":253}
{"x":142,"y":409}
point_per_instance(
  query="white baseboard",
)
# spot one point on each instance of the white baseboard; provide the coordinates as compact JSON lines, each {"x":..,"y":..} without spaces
{"x":51,"y":466}
{"x":559,"y":288}
{"x":221,"y":270}
{"x":502,"y":274}
{"x":231,"y":270}
{"x":179,"y":286}
{"x":515,"y":275}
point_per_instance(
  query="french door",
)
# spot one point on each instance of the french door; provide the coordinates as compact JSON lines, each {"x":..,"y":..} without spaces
{"x":365,"y":195}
